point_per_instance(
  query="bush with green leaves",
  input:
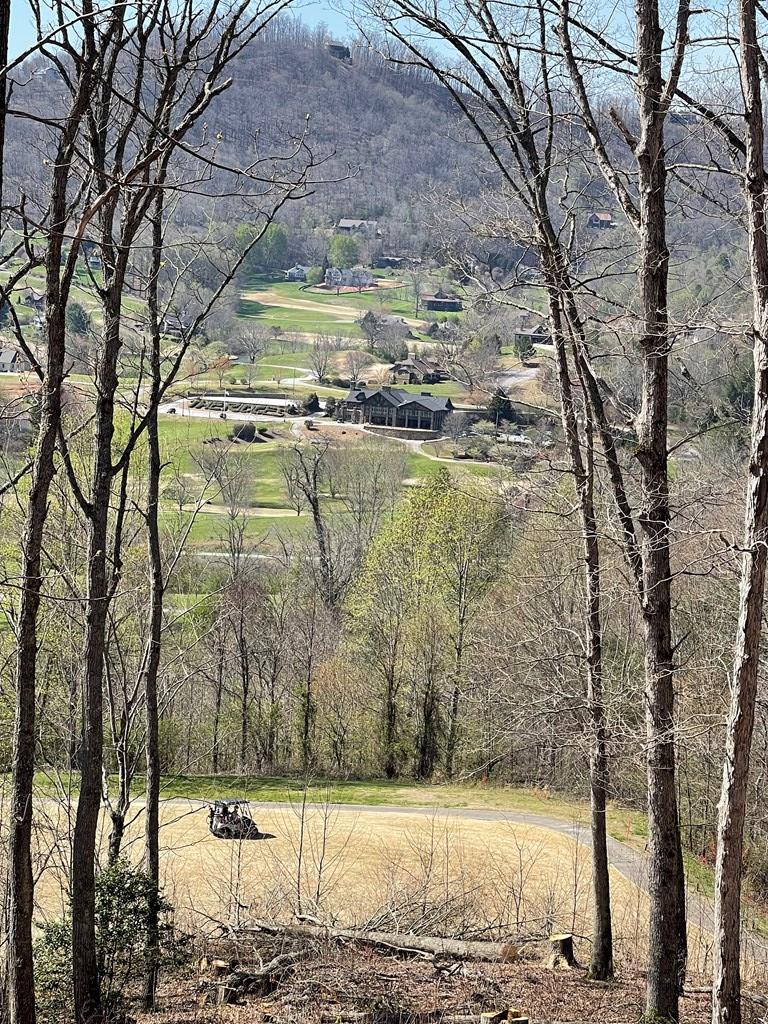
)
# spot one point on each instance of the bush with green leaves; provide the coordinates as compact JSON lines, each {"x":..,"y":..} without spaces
{"x":77,"y":318}
{"x":125,"y":900}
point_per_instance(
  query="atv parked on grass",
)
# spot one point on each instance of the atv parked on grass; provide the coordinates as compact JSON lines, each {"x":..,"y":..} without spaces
{"x":231,"y":819}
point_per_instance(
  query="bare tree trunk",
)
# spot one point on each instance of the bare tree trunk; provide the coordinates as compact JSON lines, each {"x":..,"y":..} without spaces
{"x":601,"y":966}
{"x":20,"y":978}
{"x":157,"y":595}
{"x":726,"y":991}
{"x":666,"y":958}
{"x":85,"y":965}
{"x":215,"y":743}
{"x":245,"y":687}
{"x":452,"y":738}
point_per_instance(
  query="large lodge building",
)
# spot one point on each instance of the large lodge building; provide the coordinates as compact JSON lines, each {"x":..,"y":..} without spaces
{"x":393,"y":407}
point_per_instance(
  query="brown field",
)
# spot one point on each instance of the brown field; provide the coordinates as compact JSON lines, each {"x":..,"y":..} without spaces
{"x":401,"y":871}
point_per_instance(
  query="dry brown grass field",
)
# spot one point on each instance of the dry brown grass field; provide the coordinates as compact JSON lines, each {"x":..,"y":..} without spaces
{"x":393,"y":870}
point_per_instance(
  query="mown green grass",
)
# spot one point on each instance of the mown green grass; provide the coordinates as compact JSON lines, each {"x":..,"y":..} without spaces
{"x":421,"y":467}
{"x":301,"y":321}
{"x":209,"y":531}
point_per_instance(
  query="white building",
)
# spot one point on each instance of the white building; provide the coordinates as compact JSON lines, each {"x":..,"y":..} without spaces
{"x":353,"y":277}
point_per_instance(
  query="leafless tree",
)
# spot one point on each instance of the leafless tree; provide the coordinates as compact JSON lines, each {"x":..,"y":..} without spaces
{"x":320,"y":356}
{"x":355,"y":362}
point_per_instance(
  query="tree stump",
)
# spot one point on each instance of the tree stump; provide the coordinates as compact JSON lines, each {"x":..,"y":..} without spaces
{"x":497,"y":1016}
{"x":561,"y":954}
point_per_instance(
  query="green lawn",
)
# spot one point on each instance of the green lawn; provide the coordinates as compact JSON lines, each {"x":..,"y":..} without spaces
{"x":421,"y":467}
{"x":209,"y":531}
{"x":300,"y":321}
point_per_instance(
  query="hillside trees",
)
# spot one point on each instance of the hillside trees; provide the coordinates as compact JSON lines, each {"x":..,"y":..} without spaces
{"x":424,"y":577}
{"x":506,"y":106}
{"x":344,"y":251}
{"x":130,"y":149}
{"x":264,"y":250}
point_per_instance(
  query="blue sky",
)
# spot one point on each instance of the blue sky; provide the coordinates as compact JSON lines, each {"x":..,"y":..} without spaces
{"x":310,"y":11}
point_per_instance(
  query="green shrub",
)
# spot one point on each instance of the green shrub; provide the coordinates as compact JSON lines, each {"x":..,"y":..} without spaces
{"x":125,"y":900}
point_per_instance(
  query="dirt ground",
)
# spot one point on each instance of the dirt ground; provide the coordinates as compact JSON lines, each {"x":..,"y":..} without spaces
{"x":336,"y":984}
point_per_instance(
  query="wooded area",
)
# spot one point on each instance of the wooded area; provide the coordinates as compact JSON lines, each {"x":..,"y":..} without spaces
{"x":583,"y":616}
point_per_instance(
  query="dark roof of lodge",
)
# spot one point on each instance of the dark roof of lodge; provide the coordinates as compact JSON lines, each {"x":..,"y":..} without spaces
{"x":417,"y":363}
{"x":398,"y":398}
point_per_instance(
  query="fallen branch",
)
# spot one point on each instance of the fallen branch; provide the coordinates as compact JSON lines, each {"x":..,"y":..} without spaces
{"x":261,"y":981}
{"x":423,"y":946}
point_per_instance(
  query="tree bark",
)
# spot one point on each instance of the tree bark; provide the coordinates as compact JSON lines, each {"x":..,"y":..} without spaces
{"x":20,"y":977}
{"x":726,"y":990}
{"x":86,"y":986}
{"x":665,"y":956}
{"x":157,"y":594}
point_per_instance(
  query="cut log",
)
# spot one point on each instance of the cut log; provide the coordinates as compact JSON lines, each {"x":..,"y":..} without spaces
{"x":370,"y":1017}
{"x":427,"y":947}
{"x":561,"y":951}
{"x":262,"y":981}
{"x":496,"y":1016}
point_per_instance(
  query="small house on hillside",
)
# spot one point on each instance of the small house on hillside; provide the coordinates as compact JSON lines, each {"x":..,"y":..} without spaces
{"x":297,"y":273}
{"x":355,"y":226}
{"x":442,"y":302}
{"x":34,"y":299}
{"x":338,"y":50}
{"x":415,"y":370}
{"x":399,"y":410}
{"x":12,"y":360}
{"x":394,"y":326}
{"x":528,"y":337}
{"x":352,"y":277}
{"x":601,"y":219}
{"x":392,"y":262}
{"x":176,"y":326}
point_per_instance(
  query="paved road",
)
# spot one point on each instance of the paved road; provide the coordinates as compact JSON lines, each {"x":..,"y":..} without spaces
{"x":626,"y":860}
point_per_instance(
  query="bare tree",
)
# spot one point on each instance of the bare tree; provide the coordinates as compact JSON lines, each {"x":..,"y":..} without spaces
{"x":320,"y":353}
{"x":355,"y":362}
{"x":253,"y":341}
{"x":726,"y":993}
{"x":62,"y":220}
